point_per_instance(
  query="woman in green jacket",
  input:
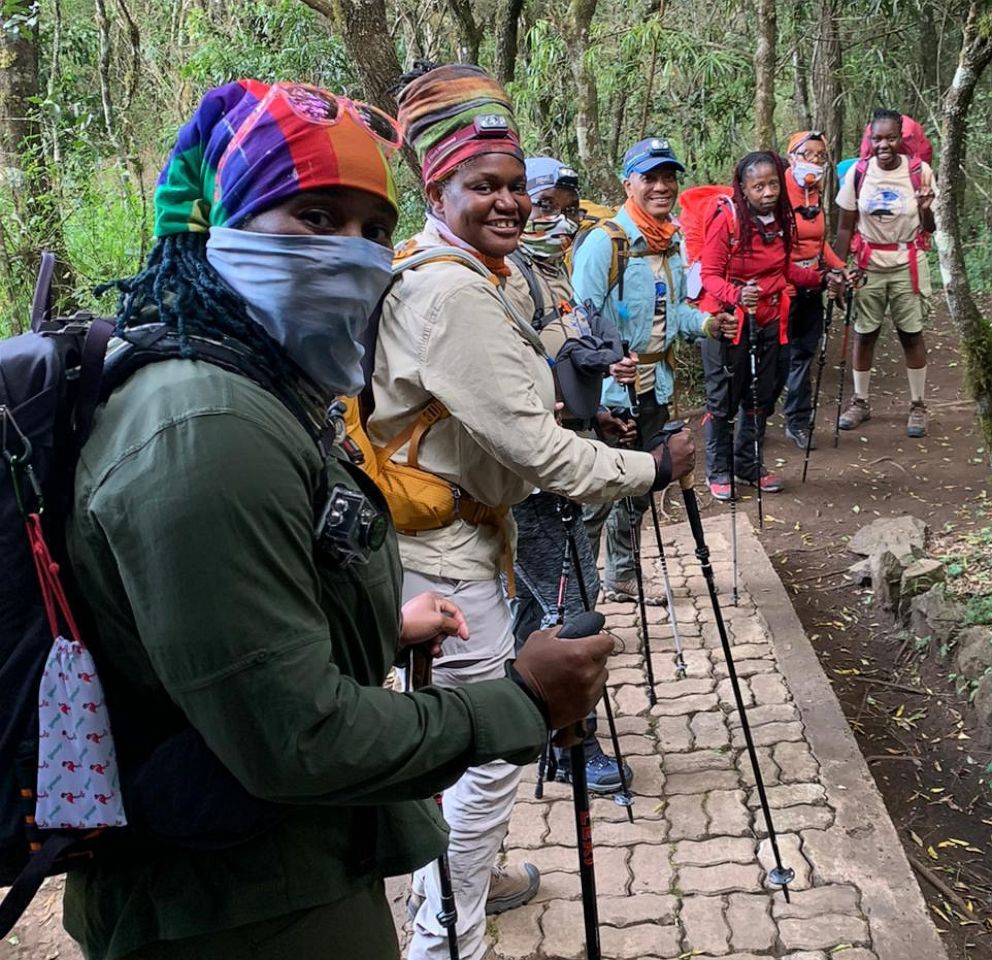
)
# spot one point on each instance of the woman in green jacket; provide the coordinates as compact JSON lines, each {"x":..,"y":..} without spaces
{"x":243,"y":576}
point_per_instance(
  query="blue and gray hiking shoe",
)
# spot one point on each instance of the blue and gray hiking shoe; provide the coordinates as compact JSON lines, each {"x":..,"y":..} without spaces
{"x":602,"y":774}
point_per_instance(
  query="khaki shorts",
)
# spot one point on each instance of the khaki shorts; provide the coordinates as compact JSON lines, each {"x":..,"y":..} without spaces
{"x":892,"y":292}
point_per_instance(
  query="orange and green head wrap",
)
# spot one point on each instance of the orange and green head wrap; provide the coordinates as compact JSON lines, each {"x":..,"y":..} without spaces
{"x":453,"y":113}
{"x":250,"y":146}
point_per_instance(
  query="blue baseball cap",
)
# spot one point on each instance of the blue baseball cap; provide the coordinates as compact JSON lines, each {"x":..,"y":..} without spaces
{"x":647,"y":154}
{"x":544,"y":172}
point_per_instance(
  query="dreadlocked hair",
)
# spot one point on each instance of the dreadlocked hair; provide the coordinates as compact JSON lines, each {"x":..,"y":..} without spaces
{"x":420,"y":67}
{"x":180,"y":289}
{"x":783,"y":209}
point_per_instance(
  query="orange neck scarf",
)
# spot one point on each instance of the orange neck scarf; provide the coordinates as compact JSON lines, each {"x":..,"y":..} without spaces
{"x":657,"y":233}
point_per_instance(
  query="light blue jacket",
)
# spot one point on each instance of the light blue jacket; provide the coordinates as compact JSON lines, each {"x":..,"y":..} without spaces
{"x":634,"y":315}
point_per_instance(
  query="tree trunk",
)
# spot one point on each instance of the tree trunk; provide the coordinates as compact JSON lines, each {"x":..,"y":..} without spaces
{"x":469,"y":32}
{"x":23,"y":171}
{"x":800,"y":61}
{"x":507,"y":25}
{"x":764,"y":71}
{"x":602,"y":182}
{"x":363,"y":29}
{"x":828,"y":102}
{"x":974,"y":329}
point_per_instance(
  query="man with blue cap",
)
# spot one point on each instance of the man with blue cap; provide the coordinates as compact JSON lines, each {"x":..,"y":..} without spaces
{"x":632,"y":271}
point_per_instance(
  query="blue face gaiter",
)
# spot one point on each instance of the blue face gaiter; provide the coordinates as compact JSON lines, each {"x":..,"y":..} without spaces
{"x":313,"y":295}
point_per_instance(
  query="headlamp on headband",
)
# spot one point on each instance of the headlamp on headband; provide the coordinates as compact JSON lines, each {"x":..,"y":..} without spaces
{"x":490,"y":125}
{"x":563,"y":177}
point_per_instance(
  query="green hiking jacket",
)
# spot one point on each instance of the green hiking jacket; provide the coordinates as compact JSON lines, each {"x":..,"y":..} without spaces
{"x":192,"y":540}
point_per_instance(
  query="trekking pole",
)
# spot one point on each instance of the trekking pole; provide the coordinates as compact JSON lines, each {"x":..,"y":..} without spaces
{"x":732,"y":425}
{"x":843,"y":361}
{"x":779,"y":875}
{"x":680,"y":667}
{"x":584,"y":625}
{"x":751,"y":318}
{"x":567,"y":510}
{"x":447,"y":916}
{"x":635,"y":546}
{"x":821,"y":362}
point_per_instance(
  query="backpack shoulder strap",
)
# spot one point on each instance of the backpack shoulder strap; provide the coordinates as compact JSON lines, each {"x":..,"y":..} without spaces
{"x":526,"y":268}
{"x":728,"y":208}
{"x":860,"y":169}
{"x":916,"y":172}
{"x":91,"y":363}
{"x":620,"y":254}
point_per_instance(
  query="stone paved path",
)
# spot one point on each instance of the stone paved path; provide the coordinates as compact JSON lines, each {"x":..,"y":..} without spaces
{"x":687,"y":878}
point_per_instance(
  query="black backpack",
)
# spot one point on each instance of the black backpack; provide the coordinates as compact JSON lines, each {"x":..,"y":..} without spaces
{"x":52,"y":379}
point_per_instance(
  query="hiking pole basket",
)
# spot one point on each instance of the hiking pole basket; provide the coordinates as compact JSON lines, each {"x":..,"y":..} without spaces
{"x":821,"y":362}
{"x":780,"y":875}
{"x":568,"y":518}
{"x":848,"y":310}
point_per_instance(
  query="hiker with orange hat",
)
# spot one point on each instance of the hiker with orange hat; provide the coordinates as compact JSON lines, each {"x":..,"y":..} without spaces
{"x":807,"y":158}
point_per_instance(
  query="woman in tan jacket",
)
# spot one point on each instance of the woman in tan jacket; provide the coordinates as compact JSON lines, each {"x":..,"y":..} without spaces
{"x":449,"y":336}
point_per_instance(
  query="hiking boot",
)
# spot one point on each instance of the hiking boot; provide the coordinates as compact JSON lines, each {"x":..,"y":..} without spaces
{"x":856,"y":413}
{"x":916,"y":425}
{"x":721,"y":489}
{"x":800,"y":437}
{"x":512,"y":887}
{"x":770,"y":482}
{"x":602,"y":774}
{"x":625,"y":591}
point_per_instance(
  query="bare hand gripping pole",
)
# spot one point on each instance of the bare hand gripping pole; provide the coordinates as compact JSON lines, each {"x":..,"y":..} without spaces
{"x":779,"y":875}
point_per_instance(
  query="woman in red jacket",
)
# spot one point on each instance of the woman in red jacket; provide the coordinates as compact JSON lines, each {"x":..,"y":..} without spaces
{"x":747,"y":268}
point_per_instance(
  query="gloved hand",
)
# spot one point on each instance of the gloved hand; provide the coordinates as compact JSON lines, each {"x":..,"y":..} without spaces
{"x":566,"y":676}
{"x":674,"y":456}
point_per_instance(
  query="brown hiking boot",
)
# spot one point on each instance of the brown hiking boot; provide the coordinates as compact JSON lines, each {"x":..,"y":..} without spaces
{"x":916,"y":426}
{"x":856,"y":413}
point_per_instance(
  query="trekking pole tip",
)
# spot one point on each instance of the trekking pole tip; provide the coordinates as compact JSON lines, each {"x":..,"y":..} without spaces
{"x":782,"y":876}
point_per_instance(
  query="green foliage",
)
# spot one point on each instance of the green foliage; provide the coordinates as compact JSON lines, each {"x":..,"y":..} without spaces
{"x":979,"y":609}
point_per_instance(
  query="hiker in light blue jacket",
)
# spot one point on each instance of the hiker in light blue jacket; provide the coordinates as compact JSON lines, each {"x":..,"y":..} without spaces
{"x":632,"y":270}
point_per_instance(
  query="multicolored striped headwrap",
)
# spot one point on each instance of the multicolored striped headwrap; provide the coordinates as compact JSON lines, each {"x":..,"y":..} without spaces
{"x":455,"y":112}
{"x":250,"y":146}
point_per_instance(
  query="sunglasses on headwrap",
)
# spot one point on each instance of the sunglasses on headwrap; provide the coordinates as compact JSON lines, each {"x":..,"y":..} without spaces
{"x":321,"y":106}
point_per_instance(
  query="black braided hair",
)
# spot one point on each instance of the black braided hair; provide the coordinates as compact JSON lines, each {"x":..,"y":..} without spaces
{"x":420,"y":67}
{"x":783,"y":209}
{"x":882,"y":114}
{"x":179,"y":288}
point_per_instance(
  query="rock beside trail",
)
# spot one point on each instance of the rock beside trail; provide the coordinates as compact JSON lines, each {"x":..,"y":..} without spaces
{"x":860,"y":573}
{"x":974,"y":652}
{"x":901,"y":536}
{"x":886,"y":578}
{"x":936,"y":615}
{"x":919,"y":577}
{"x":983,"y":708}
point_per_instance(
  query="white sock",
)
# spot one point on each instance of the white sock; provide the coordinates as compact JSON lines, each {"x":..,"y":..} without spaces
{"x":917,"y":383}
{"x":862,"y":378}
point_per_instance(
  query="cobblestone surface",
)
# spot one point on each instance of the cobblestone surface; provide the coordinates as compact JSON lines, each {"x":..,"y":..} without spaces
{"x":689,"y":876}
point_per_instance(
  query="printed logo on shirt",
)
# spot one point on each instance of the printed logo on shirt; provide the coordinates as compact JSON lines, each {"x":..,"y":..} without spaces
{"x":884,"y":204}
